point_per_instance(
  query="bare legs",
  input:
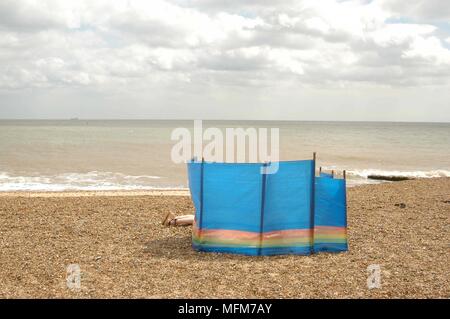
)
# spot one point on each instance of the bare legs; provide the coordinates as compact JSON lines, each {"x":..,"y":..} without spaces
{"x":172,"y":220}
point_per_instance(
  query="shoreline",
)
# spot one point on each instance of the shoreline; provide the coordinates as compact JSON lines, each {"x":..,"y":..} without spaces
{"x":160,"y":191}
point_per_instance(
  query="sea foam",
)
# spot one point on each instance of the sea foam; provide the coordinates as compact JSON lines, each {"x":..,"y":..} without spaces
{"x":93,"y":180}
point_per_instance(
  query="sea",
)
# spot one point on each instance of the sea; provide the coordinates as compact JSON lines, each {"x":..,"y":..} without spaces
{"x":77,"y":154}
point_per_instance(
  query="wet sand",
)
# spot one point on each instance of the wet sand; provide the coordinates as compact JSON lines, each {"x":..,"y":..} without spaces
{"x":123,"y":251}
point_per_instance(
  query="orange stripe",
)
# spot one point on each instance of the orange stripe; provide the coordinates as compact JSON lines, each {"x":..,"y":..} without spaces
{"x":280,"y":235}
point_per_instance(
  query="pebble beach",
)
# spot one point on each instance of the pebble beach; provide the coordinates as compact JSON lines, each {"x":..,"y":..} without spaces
{"x":123,"y":251}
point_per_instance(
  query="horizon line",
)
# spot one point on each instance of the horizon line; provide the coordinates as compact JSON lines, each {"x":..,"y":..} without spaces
{"x":74,"y":119}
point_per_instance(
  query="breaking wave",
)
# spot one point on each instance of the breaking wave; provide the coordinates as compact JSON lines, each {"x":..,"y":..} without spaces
{"x":94,"y":180}
{"x":365,"y":173}
{"x":103,"y":181}
{"x":361,"y":176}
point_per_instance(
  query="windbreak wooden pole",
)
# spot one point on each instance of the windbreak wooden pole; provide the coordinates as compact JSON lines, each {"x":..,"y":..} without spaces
{"x":332,"y":174}
{"x":314,"y":159}
{"x":344,"y":174}
{"x":263,"y":201}
{"x":312,"y":212}
{"x":200,"y":222}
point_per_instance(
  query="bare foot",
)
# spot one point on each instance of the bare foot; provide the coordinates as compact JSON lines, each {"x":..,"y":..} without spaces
{"x":168,"y":219}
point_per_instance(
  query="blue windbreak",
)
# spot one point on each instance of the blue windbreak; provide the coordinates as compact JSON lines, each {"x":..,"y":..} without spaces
{"x":239,"y":210}
{"x":289,"y":196}
{"x":330,"y":213}
{"x":232,"y":196}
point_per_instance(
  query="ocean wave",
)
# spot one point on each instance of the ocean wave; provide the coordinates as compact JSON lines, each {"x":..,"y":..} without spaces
{"x":103,"y":181}
{"x":94,"y":180}
{"x":365,"y":173}
{"x":357,"y":177}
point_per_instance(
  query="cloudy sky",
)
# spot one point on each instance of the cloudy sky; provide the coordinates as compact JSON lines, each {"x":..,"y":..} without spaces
{"x":285,"y":59}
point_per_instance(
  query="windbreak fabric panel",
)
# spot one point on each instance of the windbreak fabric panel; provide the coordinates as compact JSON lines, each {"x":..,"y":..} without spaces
{"x":241,"y":210}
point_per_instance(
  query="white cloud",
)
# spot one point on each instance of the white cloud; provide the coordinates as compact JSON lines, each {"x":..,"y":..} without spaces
{"x":429,"y":49}
{"x":397,"y":34}
{"x":126,"y":45}
{"x":419,"y":10}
